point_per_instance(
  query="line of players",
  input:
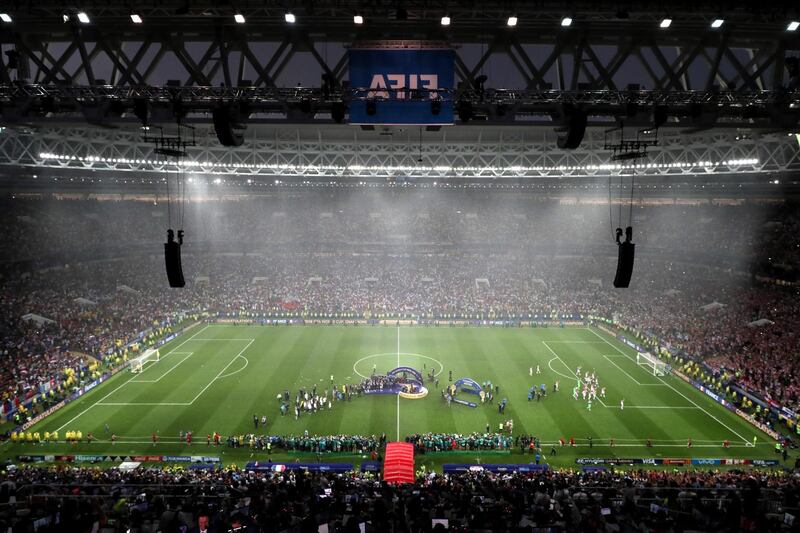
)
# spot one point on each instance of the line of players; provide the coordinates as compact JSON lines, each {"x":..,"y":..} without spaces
{"x":589,"y":387}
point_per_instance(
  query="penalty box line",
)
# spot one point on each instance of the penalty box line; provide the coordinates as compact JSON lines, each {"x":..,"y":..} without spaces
{"x":125,"y":383}
{"x":609,"y":359}
{"x":720,"y":422}
{"x":202,"y":339}
{"x":188,"y":355}
{"x":222,"y":371}
{"x":128,"y":404}
{"x":575,"y":376}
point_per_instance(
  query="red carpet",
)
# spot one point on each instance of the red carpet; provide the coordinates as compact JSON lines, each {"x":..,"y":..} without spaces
{"x":398,"y":466}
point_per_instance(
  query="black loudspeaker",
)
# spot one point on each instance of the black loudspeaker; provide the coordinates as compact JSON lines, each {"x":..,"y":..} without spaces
{"x":229,"y":130}
{"x":172,"y":258}
{"x":624,"y":265}
{"x":572,"y":129}
{"x":338,"y":110}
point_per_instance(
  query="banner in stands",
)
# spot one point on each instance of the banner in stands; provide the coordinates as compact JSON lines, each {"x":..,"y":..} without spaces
{"x":117,"y":458}
{"x":370,"y":466}
{"x":609,"y":461}
{"x":259,"y":466}
{"x":396,"y":85}
{"x":499,"y":467}
{"x":614,"y":461}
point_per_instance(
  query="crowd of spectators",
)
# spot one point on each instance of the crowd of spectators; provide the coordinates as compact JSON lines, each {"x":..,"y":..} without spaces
{"x":169,"y":500}
{"x":386,"y":254}
{"x":311,"y":443}
{"x":441,"y":442}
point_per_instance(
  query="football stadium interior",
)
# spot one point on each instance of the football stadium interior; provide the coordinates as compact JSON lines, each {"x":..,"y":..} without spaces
{"x":399,"y":265}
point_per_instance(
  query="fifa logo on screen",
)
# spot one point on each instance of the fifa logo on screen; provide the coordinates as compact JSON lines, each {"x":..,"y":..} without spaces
{"x":402,"y":86}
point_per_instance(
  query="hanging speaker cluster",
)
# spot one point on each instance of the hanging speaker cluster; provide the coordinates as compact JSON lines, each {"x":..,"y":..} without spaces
{"x":229,"y":123}
{"x":172,"y":258}
{"x":624,"y":259}
{"x":572,"y":127}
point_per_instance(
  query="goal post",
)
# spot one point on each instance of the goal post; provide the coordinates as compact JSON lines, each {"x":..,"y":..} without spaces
{"x":653,"y":364}
{"x":149,"y":355}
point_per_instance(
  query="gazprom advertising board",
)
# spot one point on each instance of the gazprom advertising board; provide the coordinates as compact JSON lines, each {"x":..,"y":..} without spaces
{"x":399,"y":85}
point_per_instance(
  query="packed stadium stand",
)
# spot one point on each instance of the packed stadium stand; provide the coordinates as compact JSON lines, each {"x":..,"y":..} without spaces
{"x":432,"y":275}
{"x":438,"y":191}
{"x":159,"y":500}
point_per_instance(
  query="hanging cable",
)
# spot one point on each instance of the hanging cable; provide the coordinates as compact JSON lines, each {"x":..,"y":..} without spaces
{"x":630,"y":205}
{"x":610,"y":210}
{"x":169,"y":203}
{"x":181,"y":179}
{"x":619,"y":220}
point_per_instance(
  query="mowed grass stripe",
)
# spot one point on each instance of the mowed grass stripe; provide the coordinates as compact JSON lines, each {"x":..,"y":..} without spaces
{"x":180,"y":386}
{"x":618,"y":386}
{"x":726,"y":422}
{"x":289,"y":357}
{"x":419,"y":416}
{"x":71,"y":415}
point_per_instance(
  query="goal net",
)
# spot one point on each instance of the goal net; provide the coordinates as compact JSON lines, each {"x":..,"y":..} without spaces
{"x":653,"y":364}
{"x":149,"y":355}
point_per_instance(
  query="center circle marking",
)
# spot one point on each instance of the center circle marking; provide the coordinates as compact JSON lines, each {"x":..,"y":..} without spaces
{"x":395,"y":354}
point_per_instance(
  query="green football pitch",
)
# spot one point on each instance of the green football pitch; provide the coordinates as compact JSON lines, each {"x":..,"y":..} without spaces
{"x":214,"y":378}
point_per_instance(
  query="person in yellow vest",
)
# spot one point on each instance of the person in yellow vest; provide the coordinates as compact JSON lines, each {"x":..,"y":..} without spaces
{"x":29,"y":437}
{"x":13,"y":437}
{"x":54,"y":436}
{"x":37,"y":437}
{"x":69,"y":436}
{"x":47,"y":436}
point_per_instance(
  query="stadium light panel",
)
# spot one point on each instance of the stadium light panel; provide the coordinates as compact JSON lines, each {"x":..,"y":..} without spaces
{"x":136,"y":18}
{"x":289,"y":17}
{"x":512,"y":21}
{"x":793,"y":26}
{"x":83,"y":17}
{"x":717,"y":23}
{"x":358,"y":19}
{"x":5,"y":17}
{"x":445,"y":20}
{"x":666,"y":23}
{"x":239,"y":18}
{"x":566,"y":22}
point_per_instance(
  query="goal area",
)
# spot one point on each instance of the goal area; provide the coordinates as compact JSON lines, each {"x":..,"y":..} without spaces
{"x":653,"y":364}
{"x":149,"y":355}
